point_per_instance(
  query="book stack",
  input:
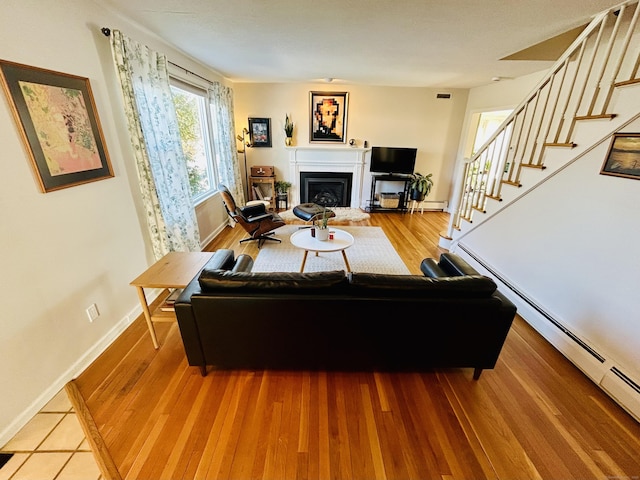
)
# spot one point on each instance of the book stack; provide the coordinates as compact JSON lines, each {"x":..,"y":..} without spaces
{"x":169,"y":303}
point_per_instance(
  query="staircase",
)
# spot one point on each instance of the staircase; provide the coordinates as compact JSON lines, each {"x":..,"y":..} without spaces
{"x":587,"y":96}
{"x":503,"y":226}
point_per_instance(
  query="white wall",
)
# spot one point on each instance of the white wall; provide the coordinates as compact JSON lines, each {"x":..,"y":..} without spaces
{"x":385,"y":116}
{"x":63,"y":251}
{"x":507,"y":93}
{"x":571,"y":246}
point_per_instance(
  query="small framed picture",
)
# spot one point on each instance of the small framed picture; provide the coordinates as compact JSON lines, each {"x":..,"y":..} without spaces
{"x":59,"y":123}
{"x":328,"y":117}
{"x":260,"y":132}
{"x":623,"y":159}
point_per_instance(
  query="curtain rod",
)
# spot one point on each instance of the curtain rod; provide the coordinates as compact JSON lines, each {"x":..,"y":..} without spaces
{"x":107,"y":33}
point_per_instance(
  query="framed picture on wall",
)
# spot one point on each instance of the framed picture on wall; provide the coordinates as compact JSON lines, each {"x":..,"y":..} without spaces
{"x":623,"y":159}
{"x":328,"y":117}
{"x":58,"y":122}
{"x":260,"y":132}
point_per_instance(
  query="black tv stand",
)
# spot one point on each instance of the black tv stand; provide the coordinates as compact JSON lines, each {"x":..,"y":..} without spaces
{"x":375,"y":205}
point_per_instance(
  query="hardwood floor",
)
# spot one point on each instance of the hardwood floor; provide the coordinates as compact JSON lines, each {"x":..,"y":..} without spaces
{"x":535,"y":416}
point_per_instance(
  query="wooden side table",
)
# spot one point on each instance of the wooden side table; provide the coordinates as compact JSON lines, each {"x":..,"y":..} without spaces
{"x":280,"y":199}
{"x":174,"y":270}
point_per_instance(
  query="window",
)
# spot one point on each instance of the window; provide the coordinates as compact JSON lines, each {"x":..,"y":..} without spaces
{"x":488,"y":123}
{"x":196,"y":134}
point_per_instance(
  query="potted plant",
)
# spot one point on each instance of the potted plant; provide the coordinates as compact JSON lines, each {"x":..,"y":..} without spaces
{"x":288,"y":130}
{"x":282,"y":187}
{"x":322,"y":230}
{"x":420,"y":186}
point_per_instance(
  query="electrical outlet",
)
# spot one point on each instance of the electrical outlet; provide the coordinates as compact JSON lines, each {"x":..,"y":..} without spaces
{"x":92,"y":312}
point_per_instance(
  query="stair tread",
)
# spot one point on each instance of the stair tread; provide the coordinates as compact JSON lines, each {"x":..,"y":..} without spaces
{"x":607,"y":116}
{"x":509,"y":182}
{"x":554,"y":144}
{"x":627,"y":82}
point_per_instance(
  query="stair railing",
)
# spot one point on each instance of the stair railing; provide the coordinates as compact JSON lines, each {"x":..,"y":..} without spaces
{"x":578,"y":87}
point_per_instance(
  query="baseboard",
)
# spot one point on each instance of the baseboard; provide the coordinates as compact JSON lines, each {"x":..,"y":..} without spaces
{"x":597,"y":365}
{"x":72,"y":372}
{"x":212,"y":236}
{"x":606,"y":374}
{"x":438,"y":205}
{"x":623,"y":392}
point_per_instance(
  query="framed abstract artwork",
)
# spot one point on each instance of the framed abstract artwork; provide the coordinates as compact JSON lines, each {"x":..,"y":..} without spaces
{"x":59,"y":124}
{"x":328,"y":117}
{"x":623,"y":159}
{"x":260,"y":132}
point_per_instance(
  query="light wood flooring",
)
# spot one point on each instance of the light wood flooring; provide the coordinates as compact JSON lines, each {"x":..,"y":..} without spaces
{"x":535,"y":416}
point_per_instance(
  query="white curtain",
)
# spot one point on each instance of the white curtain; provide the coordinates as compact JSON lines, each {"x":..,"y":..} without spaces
{"x":221,"y":101}
{"x":153,"y":129}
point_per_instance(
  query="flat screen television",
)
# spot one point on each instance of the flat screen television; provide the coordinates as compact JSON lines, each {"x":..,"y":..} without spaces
{"x":393,"y":160}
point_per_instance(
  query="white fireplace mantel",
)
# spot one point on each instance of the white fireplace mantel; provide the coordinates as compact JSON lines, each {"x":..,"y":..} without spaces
{"x":328,"y":159}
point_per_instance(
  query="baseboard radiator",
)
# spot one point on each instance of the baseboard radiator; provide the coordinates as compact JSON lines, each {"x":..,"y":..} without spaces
{"x":430,"y":205}
{"x":601,"y":370}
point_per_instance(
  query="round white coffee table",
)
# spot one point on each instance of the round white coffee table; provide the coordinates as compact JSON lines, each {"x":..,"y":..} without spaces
{"x":341,"y":241}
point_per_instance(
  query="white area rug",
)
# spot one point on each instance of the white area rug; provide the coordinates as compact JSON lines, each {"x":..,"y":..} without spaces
{"x":371,"y":252}
{"x":343,"y":214}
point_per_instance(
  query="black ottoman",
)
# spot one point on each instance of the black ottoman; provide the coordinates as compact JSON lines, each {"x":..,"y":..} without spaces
{"x":311,"y":212}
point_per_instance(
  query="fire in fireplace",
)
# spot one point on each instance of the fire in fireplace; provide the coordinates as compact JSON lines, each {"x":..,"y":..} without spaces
{"x":327,"y":189}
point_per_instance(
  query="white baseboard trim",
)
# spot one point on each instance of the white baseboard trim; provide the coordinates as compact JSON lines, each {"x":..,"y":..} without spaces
{"x":602,"y":373}
{"x":212,"y":235}
{"x":597,"y":365}
{"x":623,"y":393}
{"x":428,"y":205}
{"x":72,"y":372}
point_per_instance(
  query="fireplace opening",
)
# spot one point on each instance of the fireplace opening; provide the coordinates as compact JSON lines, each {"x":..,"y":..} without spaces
{"x":326,"y":189}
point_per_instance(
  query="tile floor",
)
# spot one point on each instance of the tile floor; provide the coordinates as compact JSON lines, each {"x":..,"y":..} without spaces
{"x":52,"y":446}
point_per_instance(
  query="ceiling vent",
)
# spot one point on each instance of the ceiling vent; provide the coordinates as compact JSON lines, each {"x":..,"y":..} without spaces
{"x":443,"y":95}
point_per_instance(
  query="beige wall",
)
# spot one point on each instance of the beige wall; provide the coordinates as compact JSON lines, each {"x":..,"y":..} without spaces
{"x":65,"y":250}
{"x":211,"y":218}
{"x":385,"y":116}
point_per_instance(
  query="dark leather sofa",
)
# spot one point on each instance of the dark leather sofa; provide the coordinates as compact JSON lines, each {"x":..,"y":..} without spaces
{"x":452,"y":317}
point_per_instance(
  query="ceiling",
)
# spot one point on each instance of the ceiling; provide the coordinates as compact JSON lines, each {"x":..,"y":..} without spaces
{"x":416,"y":43}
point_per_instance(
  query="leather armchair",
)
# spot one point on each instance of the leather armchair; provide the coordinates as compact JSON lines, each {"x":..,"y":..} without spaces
{"x":254,"y":219}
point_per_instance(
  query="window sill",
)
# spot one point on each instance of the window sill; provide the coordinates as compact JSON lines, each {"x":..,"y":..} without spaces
{"x":202,"y":199}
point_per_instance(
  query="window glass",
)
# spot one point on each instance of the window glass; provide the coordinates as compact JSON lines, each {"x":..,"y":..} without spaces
{"x":195,"y":134}
{"x":488,"y":124}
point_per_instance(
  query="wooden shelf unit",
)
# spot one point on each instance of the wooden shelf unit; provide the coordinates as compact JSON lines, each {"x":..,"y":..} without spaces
{"x":267,"y":188}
